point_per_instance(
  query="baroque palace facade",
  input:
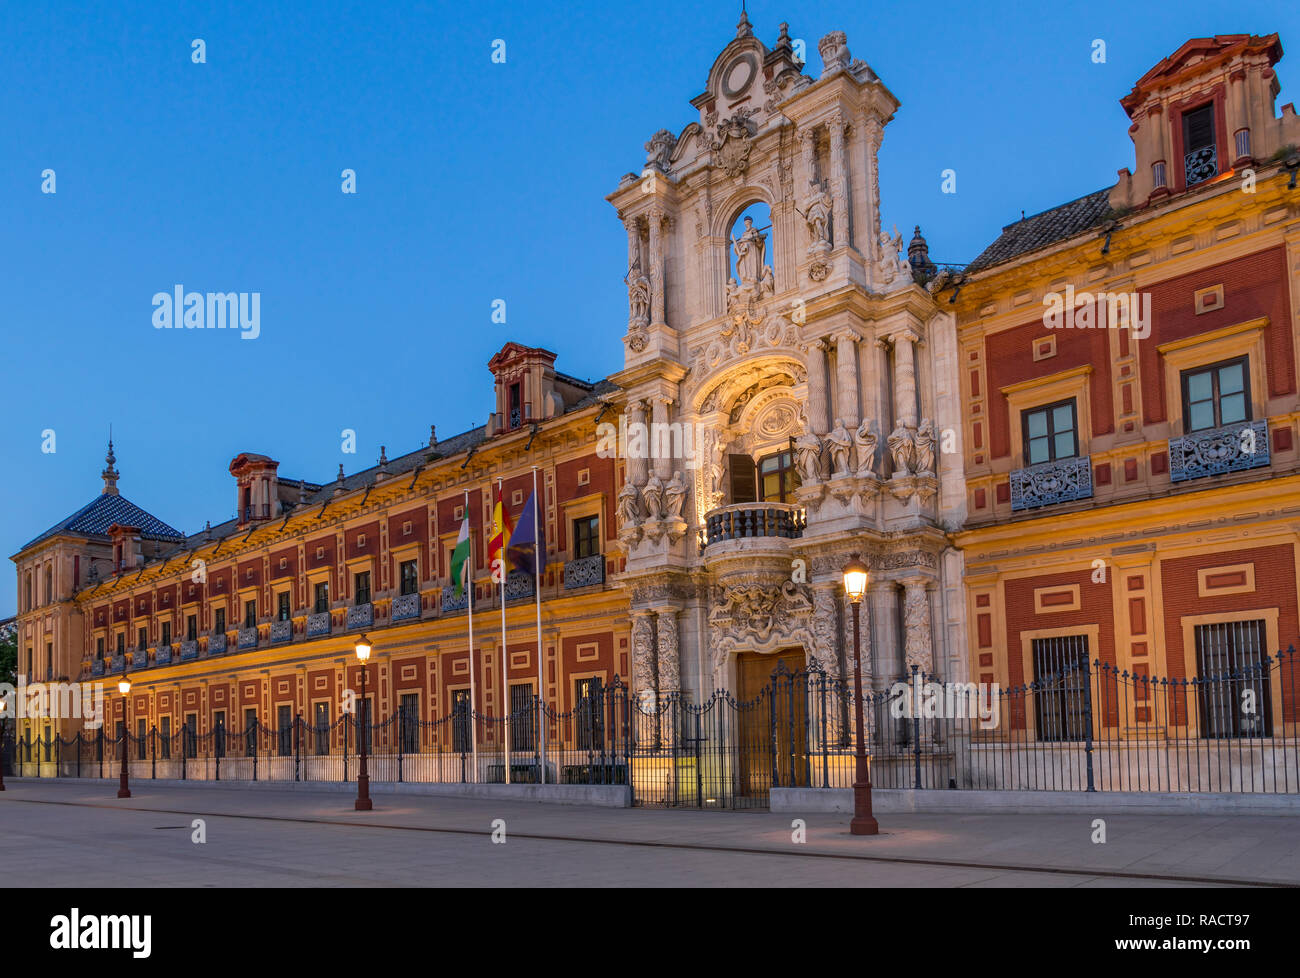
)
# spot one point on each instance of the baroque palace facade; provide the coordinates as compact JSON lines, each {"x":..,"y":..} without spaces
{"x":813,"y":387}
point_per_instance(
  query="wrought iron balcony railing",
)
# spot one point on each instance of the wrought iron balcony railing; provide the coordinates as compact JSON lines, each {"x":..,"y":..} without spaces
{"x":97,"y":667}
{"x":519,"y":585}
{"x":1048,"y":483}
{"x":1200,"y":164}
{"x":584,"y":572}
{"x":281,"y":631}
{"x":741,"y":521}
{"x":247,"y":639}
{"x":318,"y":624}
{"x":162,"y":655}
{"x":361,"y":615}
{"x":216,"y":644}
{"x":406,"y":607}
{"x":1214,"y":451}
{"x":451,"y":601}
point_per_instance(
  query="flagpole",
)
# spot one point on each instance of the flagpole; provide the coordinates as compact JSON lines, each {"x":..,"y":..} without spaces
{"x":537,"y":588}
{"x":505,"y":654}
{"x":469,"y":597}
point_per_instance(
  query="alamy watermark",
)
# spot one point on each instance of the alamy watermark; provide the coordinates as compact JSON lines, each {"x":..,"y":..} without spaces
{"x":55,"y":701}
{"x":929,"y":700}
{"x":659,"y":439}
{"x":179,"y":309}
{"x":1082,"y":310}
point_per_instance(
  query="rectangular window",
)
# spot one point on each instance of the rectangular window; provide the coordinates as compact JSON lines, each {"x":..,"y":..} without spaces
{"x":361,"y":587}
{"x":219,"y":620}
{"x":322,"y":603}
{"x":742,"y":479}
{"x":1216,"y":395}
{"x":250,"y":613}
{"x":165,"y":738}
{"x":461,"y":719}
{"x":141,"y":738}
{"x":589,"y":714}
{"x":142,"y":639}
{"x":321,"y":721}
{"x":284,"y":724}
{"x":586,"y":537}
{"x":219,"y":733}
{"x":515,"y":401}
{"x":777,"y":478}
{"x":1235,"y":693}
{"x":250,"y":732}
{"x":523,"y":717}
{"x":1199,"y":154}
{"x":99,"y":648}
{"x":191,"y":735}
{"x":282,"y":612}
{"x":49,"y":660}
{"x":410,"y":715}
{"x":1050,"y":432}
{"x":410,"y":573}
{"x":1060,"y":672}
{"x":121,"y":648}
{"x":166,"y":633}
{"x":191,"y":627}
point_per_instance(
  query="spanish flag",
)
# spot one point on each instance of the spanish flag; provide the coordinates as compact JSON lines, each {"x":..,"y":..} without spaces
{"x":502,"y":527}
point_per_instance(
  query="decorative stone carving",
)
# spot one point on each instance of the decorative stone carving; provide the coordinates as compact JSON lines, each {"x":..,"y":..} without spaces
{"x":808,"y":458}
{"x":918,"y":645}
{"x":818,"y":217}
{"x":652,"y":496}
{"x":893,"y":258}
{"x":659,"y":150}
{"x":866,"y":446}
{"x":644,"y":667}
{"x":668,"y":653}
{"x":825,"y":630}
{"x":902,"y":448}
{"x":754,"y":615}
{"x":923,"y":457}
{"x":733,"y":143}
{"x":840,"y":445}
{"x":674,"y":496}
{"x":834,"y":49}
{"x":629,"y":513}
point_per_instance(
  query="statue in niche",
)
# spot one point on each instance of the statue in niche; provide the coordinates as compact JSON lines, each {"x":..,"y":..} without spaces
{"x":924,"y":446}
{"x":748,"y":250}
{"x":674,"y":497}
{"x":840,"y":444}
{"x":819,"y":218}
{"x":891,"y":260}
{"x":866,"y":441}
{"x":902,"y":448}
{"x":629,"y":509}
{"x":808,"y":458}
{"x":638,"y":295}
{"x":652,"y":494}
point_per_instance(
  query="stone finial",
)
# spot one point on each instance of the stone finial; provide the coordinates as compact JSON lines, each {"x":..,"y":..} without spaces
{"x":433,"y":436}
{"x":834,"y":49}
{"x":302,"y":491}
{"x":918,"y":253}
{"x":110,"y":474}
{"x":338,"y":483}
{"x":381,"y":471}
{"x":744,"y":28}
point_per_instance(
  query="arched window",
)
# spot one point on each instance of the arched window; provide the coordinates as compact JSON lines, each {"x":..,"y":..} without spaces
{"x":777,"y":477}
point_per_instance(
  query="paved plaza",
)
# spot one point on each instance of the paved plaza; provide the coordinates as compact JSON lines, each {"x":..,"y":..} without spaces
{"x":78,"y":834}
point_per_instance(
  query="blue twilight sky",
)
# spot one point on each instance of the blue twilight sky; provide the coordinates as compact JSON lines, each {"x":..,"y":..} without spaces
{"x":476,"y":181}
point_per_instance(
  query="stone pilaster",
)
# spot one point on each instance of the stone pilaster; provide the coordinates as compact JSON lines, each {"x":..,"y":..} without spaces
{"x":839,"y":182}
{"x":637,"y":464}
{"x":657,"y":314}
{"x":663,"y":465}
{"x":669,"y":652}
{"x":874,"y":134}
{"x":644,"y":667}
{"x":918,"y":640}
{"x":905,"y":378}
{"x":846,"y":377}
{"x":818,"y":411}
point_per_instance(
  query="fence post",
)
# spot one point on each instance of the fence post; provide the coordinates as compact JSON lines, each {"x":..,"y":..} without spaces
{"x":916,"y":732}
{"x":219,"y":746}
{"x":100,"y":752}
{"x":185,"y":749}
{"x":1087,"y":719}
{"x":401,"y":739}
{"x":153,"y":751}
{"x":253,"y":732}
{"x":78,"y":753}
{"x":297,"y":744}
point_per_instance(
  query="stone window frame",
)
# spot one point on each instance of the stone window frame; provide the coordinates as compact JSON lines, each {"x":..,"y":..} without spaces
{"x":1245,"y":339}
{"x":1041,"y":391}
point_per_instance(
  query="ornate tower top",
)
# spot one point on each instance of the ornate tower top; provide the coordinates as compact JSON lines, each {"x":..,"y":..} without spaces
{"x":110,"y":473}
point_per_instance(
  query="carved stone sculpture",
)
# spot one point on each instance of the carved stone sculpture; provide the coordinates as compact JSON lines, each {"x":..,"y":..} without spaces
{"x":819,"y":218}
{"x":902,"y":448}
{"x":924,"y":451}
{"x":652,"y":496}
{"x":866,"y":442}
{"x":674,"y":496}
{"x":644,"y":671}
{"x":748,"y":249}
{"x":808,"y":458}
{"x":629,"y":506}
{"x":918,"y":648}
{"x":840,"y":444}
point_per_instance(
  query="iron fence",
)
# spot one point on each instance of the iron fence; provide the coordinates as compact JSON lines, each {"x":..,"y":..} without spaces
{"x":1081,"y":725}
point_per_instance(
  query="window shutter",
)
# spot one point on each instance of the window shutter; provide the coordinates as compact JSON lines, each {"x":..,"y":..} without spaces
{"x":1199,"y":128}
{"x":744,"y":479}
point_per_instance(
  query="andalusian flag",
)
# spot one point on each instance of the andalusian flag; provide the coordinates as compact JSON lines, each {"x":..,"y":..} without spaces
{"x":502,"y":527}
{"x":460,"y":554}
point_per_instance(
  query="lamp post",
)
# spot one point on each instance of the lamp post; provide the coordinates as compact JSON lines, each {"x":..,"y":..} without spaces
{"x":855,"y":585}
{"x":124,"y":687}
{"x":4,"y":705}
{"x":363,"y":778}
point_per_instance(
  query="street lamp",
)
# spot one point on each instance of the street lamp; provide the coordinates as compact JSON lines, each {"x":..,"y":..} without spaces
{"x":363,"y":778}
{"x":4,"y":705}
{"x":855,"y":585}
{"x":124,"y":687}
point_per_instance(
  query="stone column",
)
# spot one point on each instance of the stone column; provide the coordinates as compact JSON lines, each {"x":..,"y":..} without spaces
{"x":905,"y":378}
{"x":637,"y":465}
{"x":644,"y":668}
{"x":918,"y":641}
{"x":887,"y":657}
{"x":669,"y":652}
{"x":846,"y":377}
{"x":656,"y":267}
{"x":663,"y":465}
{"x":839,"y":181}
{"x":874,"y":135}
{"x":826,"y":630}
{"x":817,"y":409}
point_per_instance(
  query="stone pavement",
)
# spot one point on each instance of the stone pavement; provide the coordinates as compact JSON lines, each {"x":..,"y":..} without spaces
{"x":66,"y":833}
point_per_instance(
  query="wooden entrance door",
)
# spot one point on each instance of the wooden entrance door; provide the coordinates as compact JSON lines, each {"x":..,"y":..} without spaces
{"x":768,"y":711}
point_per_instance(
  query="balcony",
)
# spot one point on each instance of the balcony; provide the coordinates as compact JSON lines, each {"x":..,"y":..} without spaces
{"x":1200,"y":164}
{"x":451,"y":601}
{"x":281,"y":631}
{"x":118,"y":663}
{"x":361,"y":615}
{"x":216,"y":645}
{"x":162,"y":655}
{"x":247,"y":639}
{"x":1215,"y":451}
{"x":406,"y":607}
{"x":519,"y":585}
{"x":743,"y":521}
{"x":97,"y":667}
{"x":1062,"y":481}
{"x":318,"y":624}
{"x":584,"y":572}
